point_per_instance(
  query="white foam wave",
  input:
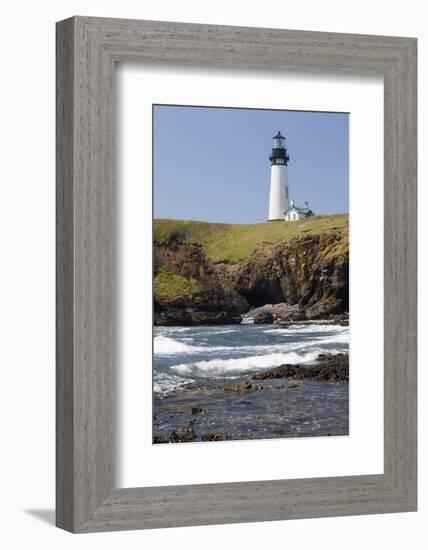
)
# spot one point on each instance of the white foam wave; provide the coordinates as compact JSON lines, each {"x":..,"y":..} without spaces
{"x":299,"y":329}
{"x":247,"y":321}
{"x":340,"y":339}
{"x":215,"y":367}
{"x":164,"y":346}
{"x":166,"y":383}
{"x":172,"y":330}
{"x":295,"y":346}
{"x":168,"y":346}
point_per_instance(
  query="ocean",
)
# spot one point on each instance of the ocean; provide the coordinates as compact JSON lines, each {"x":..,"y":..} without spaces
{"x":189,"y":354}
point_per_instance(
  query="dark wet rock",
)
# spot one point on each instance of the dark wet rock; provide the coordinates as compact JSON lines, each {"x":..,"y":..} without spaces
{"x":342,"y":320}
{"x":188,"y":317}
{"x":195,"y":409}
{"x":263,"y":318}
{"x":184,"y":434}
{"x":215,"y":436}
{"x":333,"y":360}
{"x":160,"y":439}
{"x":292,"y":385}
{"x":240,"y":387}
{"x":331,"y":368}
{"x":290,"y":315}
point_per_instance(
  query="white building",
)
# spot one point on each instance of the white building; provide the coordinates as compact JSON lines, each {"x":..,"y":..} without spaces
{"x":280,"y":206}
{"x":294,"y":213}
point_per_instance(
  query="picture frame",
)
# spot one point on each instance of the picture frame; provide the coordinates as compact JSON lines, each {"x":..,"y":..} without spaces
{"x":87,"y":50}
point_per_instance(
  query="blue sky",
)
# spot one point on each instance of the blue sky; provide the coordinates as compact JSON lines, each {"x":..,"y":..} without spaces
{"x":212,"y":163}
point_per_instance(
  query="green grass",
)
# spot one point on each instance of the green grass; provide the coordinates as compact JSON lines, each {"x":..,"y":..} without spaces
{"x":168,"y":285}
{"x":234,"y":242}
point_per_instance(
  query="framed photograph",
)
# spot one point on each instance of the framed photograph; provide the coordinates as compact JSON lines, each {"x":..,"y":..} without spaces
{"x":251,"y":300}
{"x":236,"y":274}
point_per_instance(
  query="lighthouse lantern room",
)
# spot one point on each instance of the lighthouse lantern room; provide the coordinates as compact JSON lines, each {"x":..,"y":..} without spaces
{"x":279,"y":158}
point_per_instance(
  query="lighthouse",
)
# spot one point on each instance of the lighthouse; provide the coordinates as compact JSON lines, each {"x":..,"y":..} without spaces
{"x":278,"y":200}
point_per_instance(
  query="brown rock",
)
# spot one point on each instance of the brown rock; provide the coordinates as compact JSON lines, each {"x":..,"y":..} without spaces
{"x":160,"y":439}
{"x":240,"y":387}
{"x":195,"y":409}
{"x":215,"y":436}
{"x":263,"y":318}
{"x":310,"y":272}
{"x":184,"y":434}
{"x":216,"y":302}
{"x":331,"y":368}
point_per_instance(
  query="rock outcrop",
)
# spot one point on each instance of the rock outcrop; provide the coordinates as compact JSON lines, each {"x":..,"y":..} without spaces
{"x":263,"y":318}
{"x":331,"y":368}
{"x":311,"y":272}
{"x":307,"y":273}
{"x":188,"y":291}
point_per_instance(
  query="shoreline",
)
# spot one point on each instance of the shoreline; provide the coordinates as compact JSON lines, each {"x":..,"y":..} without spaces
{"x":290,"y":400}
{"x":269,"y":314}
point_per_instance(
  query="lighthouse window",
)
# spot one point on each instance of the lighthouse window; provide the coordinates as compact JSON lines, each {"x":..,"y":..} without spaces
{"x":277,"y":143}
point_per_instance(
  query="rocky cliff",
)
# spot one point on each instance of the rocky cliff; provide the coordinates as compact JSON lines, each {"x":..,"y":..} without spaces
{"x":306,"y":268}
{"x":311,"y":272}
{"x":189,"y":291}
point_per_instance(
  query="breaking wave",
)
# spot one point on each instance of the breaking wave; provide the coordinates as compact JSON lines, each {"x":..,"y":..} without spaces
{"x":184,"y":354}
{"x":241,"y":365}
{"x":168,"y":346}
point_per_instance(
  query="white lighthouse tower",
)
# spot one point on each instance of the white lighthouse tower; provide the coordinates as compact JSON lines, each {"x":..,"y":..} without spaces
{"x":278,"y":200}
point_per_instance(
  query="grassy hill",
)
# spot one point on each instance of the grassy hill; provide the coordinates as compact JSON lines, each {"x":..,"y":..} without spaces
{"x":234,"y":242}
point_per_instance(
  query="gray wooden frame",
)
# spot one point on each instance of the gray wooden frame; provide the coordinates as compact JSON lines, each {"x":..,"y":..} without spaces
{"x":87,"y":50}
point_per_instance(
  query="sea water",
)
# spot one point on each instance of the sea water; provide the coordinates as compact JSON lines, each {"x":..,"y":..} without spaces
{"x":186,"y":354}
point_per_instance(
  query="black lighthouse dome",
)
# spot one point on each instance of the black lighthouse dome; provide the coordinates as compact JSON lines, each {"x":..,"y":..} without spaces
{"x":279,"y":152}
